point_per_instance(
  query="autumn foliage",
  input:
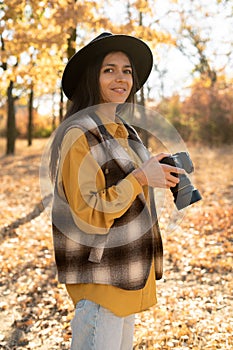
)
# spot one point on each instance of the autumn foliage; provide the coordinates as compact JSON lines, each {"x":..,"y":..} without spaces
{"x":38,"y":37}
{"x":206,"y":116}
{"x":194,"y":308}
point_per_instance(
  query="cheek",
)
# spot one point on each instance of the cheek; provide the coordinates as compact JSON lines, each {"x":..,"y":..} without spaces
{"x":130,"y":86}
{"x":130,"y":82}
{"x":103,"y":84}
{"x":103,"y":91}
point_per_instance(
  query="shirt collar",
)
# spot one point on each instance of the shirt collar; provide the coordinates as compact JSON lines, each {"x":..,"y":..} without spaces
{"x":115,"y":128}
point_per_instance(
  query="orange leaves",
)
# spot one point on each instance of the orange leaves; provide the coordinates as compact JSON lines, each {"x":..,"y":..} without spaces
{"x":31,"y":30}
{"x":141,"y":5}
{"x":195,"y":303}
{"x":194,"y":309}
{"x":29,"y":296}
{"x":213,"y":250}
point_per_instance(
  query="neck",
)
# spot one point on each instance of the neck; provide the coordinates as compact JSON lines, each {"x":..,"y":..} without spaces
{"x":108,"y":110}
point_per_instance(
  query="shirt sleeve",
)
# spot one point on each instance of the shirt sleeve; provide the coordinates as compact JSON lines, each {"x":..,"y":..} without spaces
{"x":94,"y":207}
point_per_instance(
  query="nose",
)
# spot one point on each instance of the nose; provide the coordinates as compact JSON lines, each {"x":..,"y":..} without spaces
{"x":120,"y":76}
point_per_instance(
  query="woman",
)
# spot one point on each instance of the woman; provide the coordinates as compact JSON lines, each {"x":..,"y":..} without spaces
{"x":107,"y":242}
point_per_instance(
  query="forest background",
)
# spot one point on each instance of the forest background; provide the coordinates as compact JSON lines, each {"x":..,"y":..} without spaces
{"x":191,"y":87}
{"x":191,"y":81}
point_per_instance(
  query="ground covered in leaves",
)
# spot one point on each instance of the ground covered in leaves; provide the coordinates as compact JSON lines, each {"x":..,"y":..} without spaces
{"x":195,"y":297}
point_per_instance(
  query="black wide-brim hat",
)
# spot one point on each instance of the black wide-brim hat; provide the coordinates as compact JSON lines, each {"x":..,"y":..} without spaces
{"x":137,"y":50}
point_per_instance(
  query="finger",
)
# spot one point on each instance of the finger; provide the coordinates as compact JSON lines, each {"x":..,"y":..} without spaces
{"x":170,"y":184}
{"x":160,"y":156}
{"x":172,"y":179}
{"x":178,"y":170}
{"x":173,"y":169}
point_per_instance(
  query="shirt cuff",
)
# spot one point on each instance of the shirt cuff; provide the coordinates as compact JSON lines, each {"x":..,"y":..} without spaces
{"x":136,"y":185}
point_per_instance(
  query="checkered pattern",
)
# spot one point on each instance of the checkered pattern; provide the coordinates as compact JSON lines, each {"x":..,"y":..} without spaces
{"x":126,"y":265}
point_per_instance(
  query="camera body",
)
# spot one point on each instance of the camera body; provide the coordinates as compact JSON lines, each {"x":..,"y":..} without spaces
{"x":184,"y":193}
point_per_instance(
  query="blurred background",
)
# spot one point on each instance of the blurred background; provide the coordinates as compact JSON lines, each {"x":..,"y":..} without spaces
{"x":191,"y":81}
{"x":191,"y":86}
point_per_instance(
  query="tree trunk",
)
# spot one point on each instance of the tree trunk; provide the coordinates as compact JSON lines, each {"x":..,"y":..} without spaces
{"x":61,"y":105}
{"x":70,"y":43}
{"x":11,"y":124}
{"x":30,"y":117}
{"x":71,"y":51}
{"x":143,"y":132}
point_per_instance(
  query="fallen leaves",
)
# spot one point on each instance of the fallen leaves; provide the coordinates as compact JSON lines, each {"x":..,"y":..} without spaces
{"x":195,"y":302}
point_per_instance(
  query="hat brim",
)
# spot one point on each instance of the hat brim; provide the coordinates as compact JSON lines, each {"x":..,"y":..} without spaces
{"x":136,"y":49}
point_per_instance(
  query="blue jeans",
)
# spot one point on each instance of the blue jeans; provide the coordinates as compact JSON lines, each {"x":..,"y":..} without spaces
{"x":96,"y":328}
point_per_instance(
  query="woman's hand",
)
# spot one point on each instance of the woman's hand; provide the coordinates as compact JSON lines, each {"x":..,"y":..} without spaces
{"x":155,"y":174}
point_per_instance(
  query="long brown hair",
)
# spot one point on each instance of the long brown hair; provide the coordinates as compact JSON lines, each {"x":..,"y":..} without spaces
{"x":86,"y":94}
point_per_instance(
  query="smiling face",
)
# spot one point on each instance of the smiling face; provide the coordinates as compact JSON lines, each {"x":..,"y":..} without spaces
{"x":115,"y":78}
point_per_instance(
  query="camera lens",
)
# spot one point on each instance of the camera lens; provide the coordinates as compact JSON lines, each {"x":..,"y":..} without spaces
{"x":184,"y":193}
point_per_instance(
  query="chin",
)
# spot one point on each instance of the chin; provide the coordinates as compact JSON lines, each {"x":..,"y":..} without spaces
{"x":116,"y":102}
{"x":120,"y":100}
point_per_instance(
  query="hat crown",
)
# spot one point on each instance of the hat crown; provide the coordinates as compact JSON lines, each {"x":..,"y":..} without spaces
{"x":101,"y":36}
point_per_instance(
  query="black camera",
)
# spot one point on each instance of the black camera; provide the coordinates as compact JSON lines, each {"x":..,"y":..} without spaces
{"x":184,"y":193}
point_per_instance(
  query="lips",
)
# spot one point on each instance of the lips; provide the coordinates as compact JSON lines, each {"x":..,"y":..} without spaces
{"x":119,"y":90}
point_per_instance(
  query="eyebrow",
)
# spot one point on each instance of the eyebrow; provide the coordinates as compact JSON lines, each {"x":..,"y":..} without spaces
{"x":113,"y":65}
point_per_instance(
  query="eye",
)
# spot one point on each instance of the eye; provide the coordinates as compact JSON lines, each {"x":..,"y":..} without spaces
{"x":108,"y":70}
{"x":128,"y":71}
